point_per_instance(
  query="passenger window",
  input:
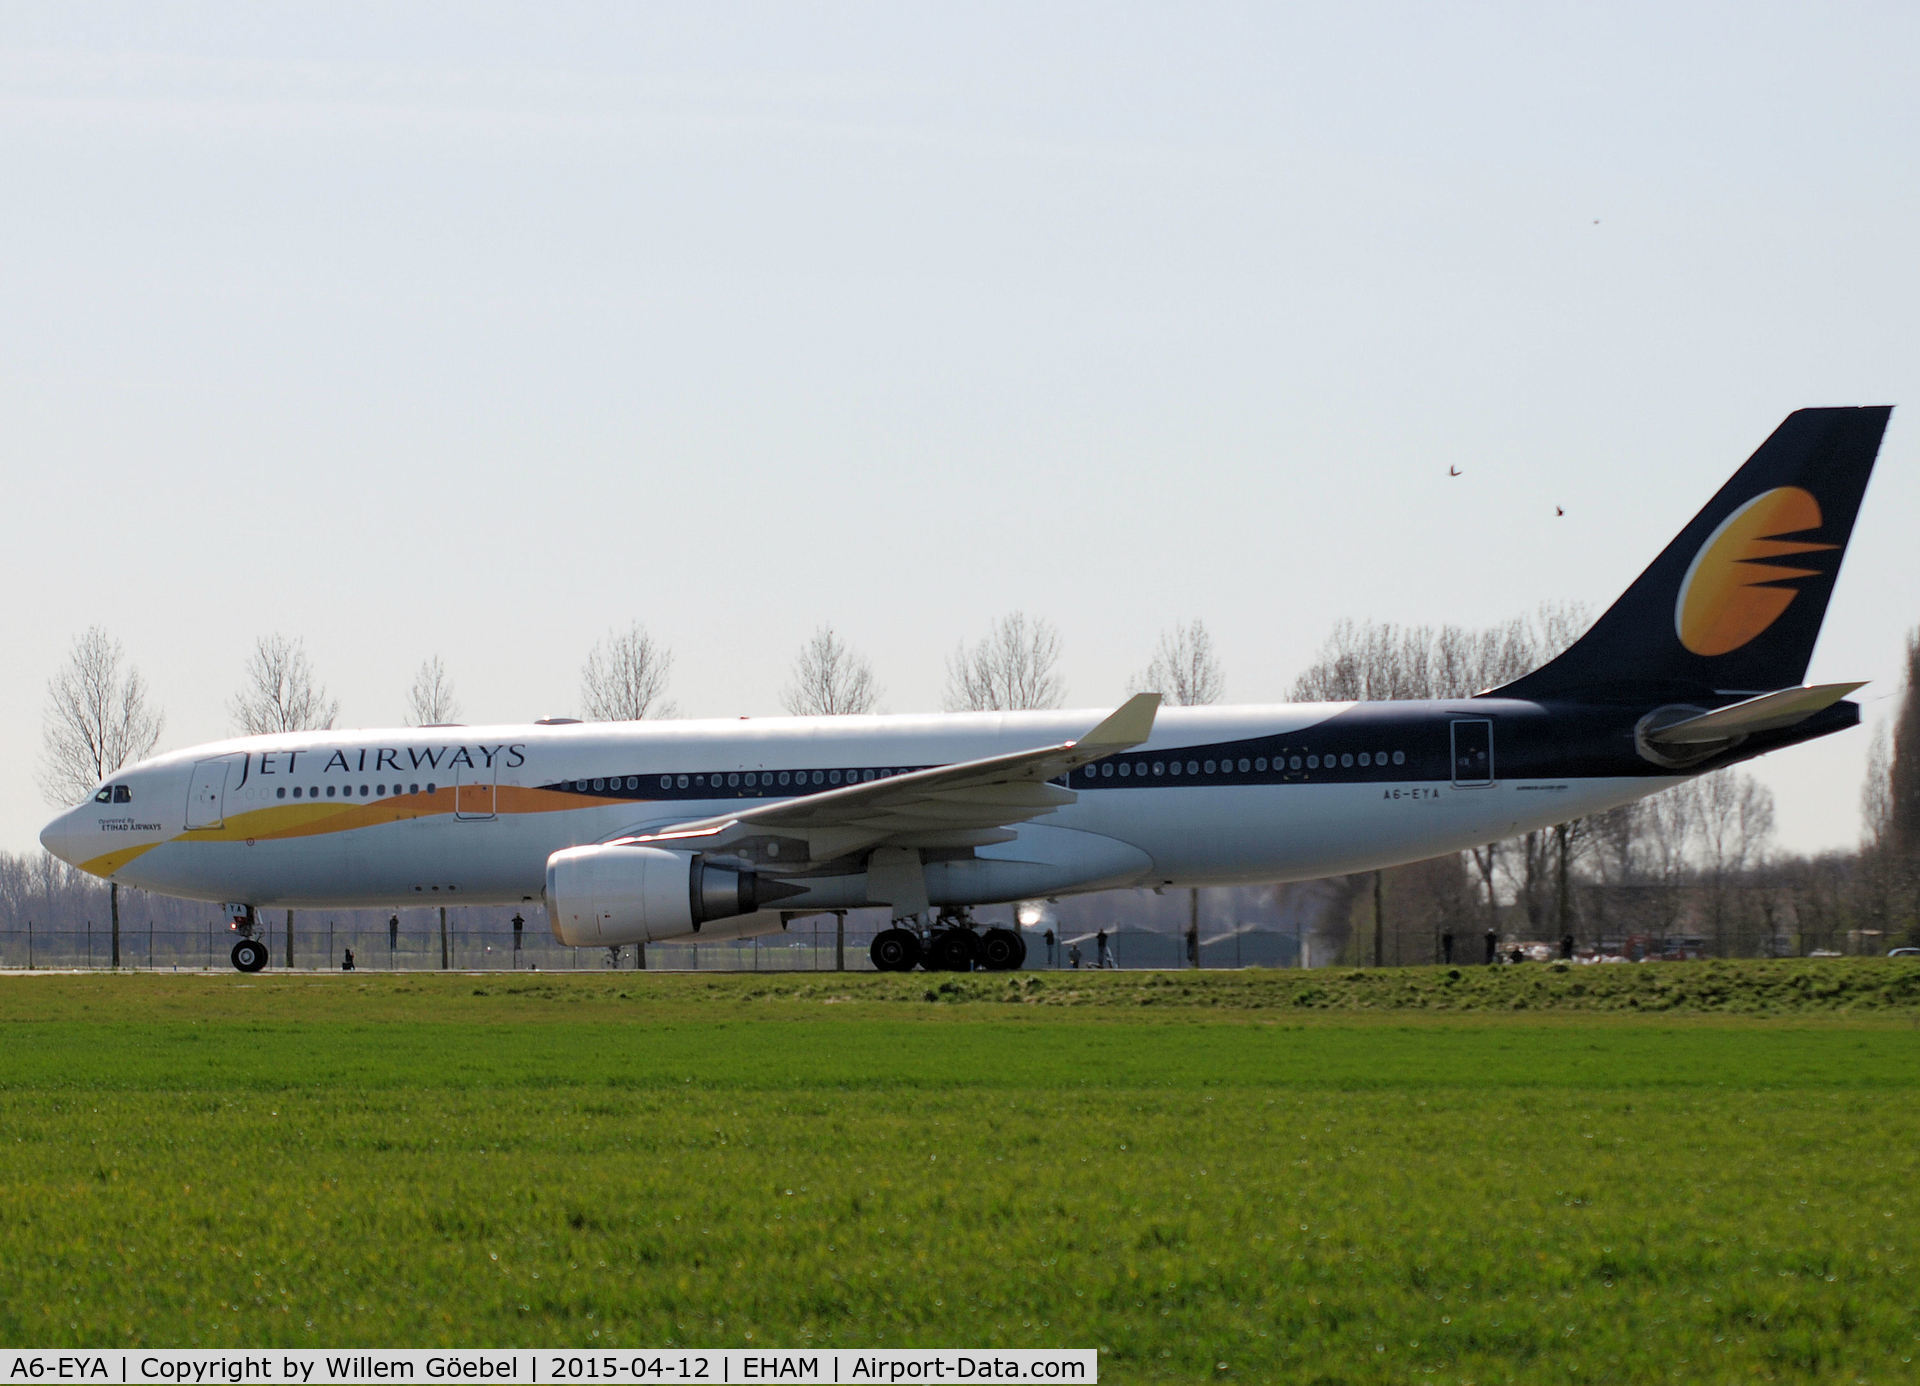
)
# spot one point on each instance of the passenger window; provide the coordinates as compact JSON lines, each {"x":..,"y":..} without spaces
{"x":1159,"y":768}
{"x":1260,"y":763}
{"x":1209,"y":767}
{"x":1313,"y":762}
{"x":330,"y":791}
{"x":1125,"y":769}
{"x":1106,"y":770}
{"x":681,"y":781}
{"x":1193,"y":767}
{"x":122,"y":795}
{"x":1365,"y":759}
{"x":1346,"y":760}
{"x":363,"y":791}
{"x":599,"y":784}
{"x":1293,"y":763}
{"x":280,"y":793}
{"x":413,"y":789}
{"x":666,"y":782}
{"x":1244,"y":767}
{"x":1399,"y":757}
{"x":833,"y":777}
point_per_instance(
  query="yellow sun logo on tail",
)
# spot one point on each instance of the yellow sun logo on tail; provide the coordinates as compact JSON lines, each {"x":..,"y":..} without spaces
{"x":1732,"y":592}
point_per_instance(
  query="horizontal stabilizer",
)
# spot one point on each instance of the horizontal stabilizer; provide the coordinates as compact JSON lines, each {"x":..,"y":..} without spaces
{"x":1768,"y":712}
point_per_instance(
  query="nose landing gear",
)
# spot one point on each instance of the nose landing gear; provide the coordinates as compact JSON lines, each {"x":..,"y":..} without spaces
{"x":249,"y":954}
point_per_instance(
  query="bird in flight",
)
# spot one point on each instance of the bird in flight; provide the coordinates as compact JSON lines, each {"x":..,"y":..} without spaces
{"x":1453,"y":471}
{"x":1558,"y":511}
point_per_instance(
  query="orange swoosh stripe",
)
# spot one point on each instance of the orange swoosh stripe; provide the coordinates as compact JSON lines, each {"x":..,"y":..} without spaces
{"x":280,"y":822}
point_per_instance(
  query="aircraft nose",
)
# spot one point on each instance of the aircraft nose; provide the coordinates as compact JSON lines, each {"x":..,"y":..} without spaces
{"x":57,"y":837}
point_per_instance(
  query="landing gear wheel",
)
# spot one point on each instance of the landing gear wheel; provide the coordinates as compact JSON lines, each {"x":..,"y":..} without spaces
{"x":1001,"y":950}
{"x":952,"y":950}
{"x":895,"y":950}
{"x":249,"y":955}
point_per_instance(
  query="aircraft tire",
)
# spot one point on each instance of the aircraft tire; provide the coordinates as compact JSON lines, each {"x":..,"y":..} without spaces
{"x":1001,"y":950}
{"x":952,"y":950}
{"x":249,"y":955}
{"x":894,"y":950}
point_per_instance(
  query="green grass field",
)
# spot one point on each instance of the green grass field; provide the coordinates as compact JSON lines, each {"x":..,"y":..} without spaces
{"x":1399,"y":1176}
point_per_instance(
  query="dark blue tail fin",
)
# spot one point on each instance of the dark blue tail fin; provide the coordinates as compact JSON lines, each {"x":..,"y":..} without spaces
{"x":1735,"y":603}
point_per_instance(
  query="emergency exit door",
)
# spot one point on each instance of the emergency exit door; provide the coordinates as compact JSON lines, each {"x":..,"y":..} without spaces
{"x":1472,"y":753}
{"x":473,"y":793}
{"x":207,"y":794}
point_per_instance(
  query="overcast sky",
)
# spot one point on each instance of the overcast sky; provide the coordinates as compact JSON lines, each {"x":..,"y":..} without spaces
{"x":477,"y":331}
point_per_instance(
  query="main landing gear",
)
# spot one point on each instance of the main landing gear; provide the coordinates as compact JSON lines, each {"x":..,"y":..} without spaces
{"x":950,"y":945}
{"x":249,"y":954}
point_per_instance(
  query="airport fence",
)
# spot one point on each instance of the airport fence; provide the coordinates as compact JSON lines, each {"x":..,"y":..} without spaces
{"x":808,"y":945}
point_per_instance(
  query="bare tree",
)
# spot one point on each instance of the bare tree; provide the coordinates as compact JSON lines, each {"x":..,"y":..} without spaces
{"x":830,"y":680}
{"x":97,"y":719}
{"x":430,"y":702}
{"x":1876,"y":793}
{"x":625,"y":678}
{"x":1376,"y":660}
{"x":1903,"y":768}
{"x":1184,"y":669}
{"x":1015,"y":666}
{"x":279,"y":693}
{"x":1735,"y":815}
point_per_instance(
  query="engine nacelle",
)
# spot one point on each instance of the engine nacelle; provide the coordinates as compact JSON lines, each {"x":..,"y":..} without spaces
{"x":607,"y":895}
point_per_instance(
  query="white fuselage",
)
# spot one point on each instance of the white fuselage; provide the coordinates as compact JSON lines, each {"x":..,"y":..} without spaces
{"x":471,"y":814}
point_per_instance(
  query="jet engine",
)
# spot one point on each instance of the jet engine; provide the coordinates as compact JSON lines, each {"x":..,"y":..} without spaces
{"x":613,"y":894}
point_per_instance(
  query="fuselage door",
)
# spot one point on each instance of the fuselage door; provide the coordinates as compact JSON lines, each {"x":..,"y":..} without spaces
{"x":473,"y":792}
{"x":1472,"y":753}
{"x":206,"y":796}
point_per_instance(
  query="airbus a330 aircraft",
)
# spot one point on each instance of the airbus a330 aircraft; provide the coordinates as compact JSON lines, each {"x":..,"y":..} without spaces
{"x":645,"y":831}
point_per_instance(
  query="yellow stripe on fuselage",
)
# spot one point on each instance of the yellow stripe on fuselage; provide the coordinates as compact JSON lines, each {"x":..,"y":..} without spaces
{"x":283,"y":822}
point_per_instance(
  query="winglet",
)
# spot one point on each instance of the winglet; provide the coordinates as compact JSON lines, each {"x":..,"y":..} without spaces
{"x":1127,"y":725}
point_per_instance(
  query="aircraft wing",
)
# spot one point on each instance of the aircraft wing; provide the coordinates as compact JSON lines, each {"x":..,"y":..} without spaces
{"x":966,"y":804}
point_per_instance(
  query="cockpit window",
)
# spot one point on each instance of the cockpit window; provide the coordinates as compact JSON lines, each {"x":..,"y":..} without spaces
{"x":103,"y":795}
{"x":122,"y":794}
